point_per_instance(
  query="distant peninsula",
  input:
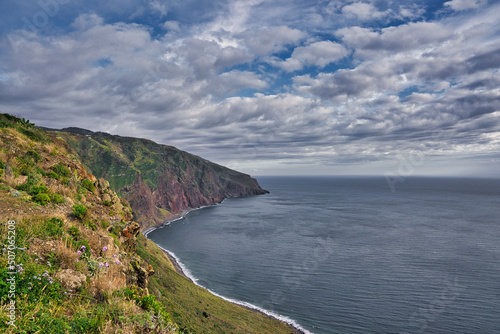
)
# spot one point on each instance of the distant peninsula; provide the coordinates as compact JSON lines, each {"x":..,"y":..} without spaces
{"x":160,"y":182}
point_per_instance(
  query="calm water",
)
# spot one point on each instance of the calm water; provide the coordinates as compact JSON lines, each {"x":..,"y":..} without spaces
{"x":348,"y":255}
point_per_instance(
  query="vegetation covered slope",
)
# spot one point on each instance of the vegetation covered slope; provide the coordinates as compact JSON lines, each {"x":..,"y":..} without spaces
{"x":79,"y":261}
{"x":159,"y":181}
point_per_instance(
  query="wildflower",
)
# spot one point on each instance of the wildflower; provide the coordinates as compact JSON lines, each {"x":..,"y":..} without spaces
{"x":100,"y":257}
{"x":83,"y":248}
{"x":100,"y":264}
{"x":79,"y":253}
{"x":117,"y":262}
{"x":105,"y":248}
{"x":114,"y":256}
{"x":91,"y":250}
{"x":106,"y":264}
{"x":77,"y":260}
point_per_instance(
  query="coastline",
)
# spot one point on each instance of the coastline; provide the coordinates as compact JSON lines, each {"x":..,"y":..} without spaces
{"x":181,"y":270}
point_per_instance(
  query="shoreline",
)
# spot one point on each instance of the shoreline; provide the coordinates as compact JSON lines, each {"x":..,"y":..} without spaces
{"x":179,"y":268}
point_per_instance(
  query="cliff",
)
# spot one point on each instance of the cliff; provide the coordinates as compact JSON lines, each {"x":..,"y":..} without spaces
{"x":77,"y":259}
{"x":158,"y":181}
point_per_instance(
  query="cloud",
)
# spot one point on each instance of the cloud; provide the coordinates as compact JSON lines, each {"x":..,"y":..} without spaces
{"x":394,"y":39}
{"x":223,"y":89}
{"x":159,"y":7}
{"x":317,"y":54}
{"x":269,"y":40}
{"x":363,"y":11}
{"x":230,"y":83}
{"x":172,"y":25}
{"x":459,"y":5}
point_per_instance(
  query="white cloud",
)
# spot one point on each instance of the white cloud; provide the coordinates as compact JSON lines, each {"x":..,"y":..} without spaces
{"x":315,"y":54}
{"x":402,"y":83}
{"x":159,"y":7}
{"x":172,"y":25}
{"x":87,"y":21}
{"x":268,"y":40}
{"x":230,"y":83}
{"x":418,"y":35}
{"x":460,"y":5}
{"x":363,"y":11}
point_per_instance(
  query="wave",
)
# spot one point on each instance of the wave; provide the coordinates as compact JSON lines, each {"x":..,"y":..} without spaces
{"x":248,"y":305}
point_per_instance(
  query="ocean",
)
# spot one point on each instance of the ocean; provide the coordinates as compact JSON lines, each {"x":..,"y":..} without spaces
{"x":349,"y":255}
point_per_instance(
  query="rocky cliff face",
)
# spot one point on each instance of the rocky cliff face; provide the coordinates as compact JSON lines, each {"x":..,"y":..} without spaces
{"x":159,"y":181}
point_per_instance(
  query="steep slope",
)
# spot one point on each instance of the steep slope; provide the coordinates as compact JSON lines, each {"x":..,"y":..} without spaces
{"x":159,"y":181}
{"x":80,"y":264}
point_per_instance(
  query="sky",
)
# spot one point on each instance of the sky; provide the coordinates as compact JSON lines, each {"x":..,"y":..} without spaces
{"x":368,"y":87}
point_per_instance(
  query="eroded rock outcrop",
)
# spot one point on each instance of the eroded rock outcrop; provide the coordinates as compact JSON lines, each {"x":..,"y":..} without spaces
{"x":158,"y":181}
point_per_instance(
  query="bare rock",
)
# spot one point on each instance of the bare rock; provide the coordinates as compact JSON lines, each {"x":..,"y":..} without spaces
{"x":106,"y":198}
{"x":71,"y":279}
{"x":129,"y":234}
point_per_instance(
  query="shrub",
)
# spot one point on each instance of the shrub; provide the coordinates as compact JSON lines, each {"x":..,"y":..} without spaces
{"x":74,"y":232}
{"x":107,"y":203}
{"x":33,"y":135}
{"x":53,"y":175}
{"x":104,"y":224}
{"x":25,"y":164}
{"x":90,"y":224}
{"x":32,"y":180}
{"x":34,"y":155}
{"x":56,"y":198}
{"x":61,"y":170}
{"x":35,"y":190}
{"x":79,"y":210}
{"x":53,"y":227}
{"x":40,"y":171}
{"x":42,"y":199}
{"x":88,"y":185}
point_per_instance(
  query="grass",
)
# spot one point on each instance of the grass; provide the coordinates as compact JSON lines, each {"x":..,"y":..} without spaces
{"x":57,"y":213}
{"x":44,"y":305}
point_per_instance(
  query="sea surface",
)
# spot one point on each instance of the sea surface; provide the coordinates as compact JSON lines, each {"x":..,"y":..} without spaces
{"x":349,"y":255}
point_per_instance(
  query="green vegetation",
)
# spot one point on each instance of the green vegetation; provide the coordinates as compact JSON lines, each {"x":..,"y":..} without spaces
{"x":73,"y":276}
{"x":61,"y":170}
{"x":39,"y":192}
{"x":53,"y":175}
{"x":42,"y":199}
{"x":193,"y":308}
{"x":88,"y":185}
{"x":45,"y":305}
{"x":79,"y":210}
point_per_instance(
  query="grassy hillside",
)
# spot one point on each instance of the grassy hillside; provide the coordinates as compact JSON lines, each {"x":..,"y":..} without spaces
{"x":77,"y":259}
{"x":159,"y":181}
